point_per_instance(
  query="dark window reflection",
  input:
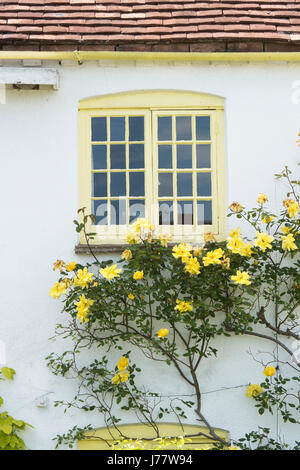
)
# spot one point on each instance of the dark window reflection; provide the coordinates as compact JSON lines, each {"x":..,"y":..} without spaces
{"x":99,"y":157}
{"x":164,"y":127}
{"x":136,"y":128}
{"x":165,"y":156}
{"x":118,"y":184}
{"x":117,"y":156}
{"x":136,"y":184}
{"x":165,"y":184}
{"x":99,"y":185}
{"x":99,"y":129}
{"x":184,"y":156}
{"x":136,"y":156}
{"x":184,"y":184}
{"x":117,"y":128}
{"x":202,"y":127}
{"x":183,"y":128}
{"x":203,"y":155}
{"x":203,"y":184}
{"x":99,"y":209}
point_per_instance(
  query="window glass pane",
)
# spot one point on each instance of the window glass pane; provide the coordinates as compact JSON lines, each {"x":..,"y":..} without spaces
{"x":185,"y":212}
{"x":136,"y":209}
{"x":117,"y":128}
{"x":204,"y":212}
{"x":165,"y":156}
{"x":117,"y":156}
{"x":184,"y":184}
{"x":166,"y":215}
{"x":99,"y":160}
{"x":165,"y":184}
{"x":118,"y":212}
{"x":184,"y":156}
{"x":99,"y":129}
{"x":136,"y":156}
{"x":136,"y":128}
{"x":99,"y":209}
{"x":204,"y":184}
{"x":203,"y":155}
{"x":164,"y":125}
{"x":202,"y":127}
{"x":117,"y":184}
{"x":136,"y":184}
{"x":183,"y":128}
{"x":99,"y":185}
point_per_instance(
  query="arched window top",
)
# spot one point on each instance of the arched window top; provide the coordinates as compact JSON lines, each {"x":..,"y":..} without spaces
{"x":103,"y":438}
{"x":176,"y":99}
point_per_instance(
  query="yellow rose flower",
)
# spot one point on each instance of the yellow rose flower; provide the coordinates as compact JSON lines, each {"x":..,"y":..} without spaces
{"x":183,"y":306}
{"x":67,"y":282}
{"x":59,"y":264}
{"x":123,"y":363}
{"x":57,"y":290}
{"x":209,"y":237}
{"x":110,"y":272}
{"x":293,"y":209}
{"x":130,"y":296}
{"x":120,"y":377}
{"x":267,"y":219}
{"x":246,"y":250}
{"x":285,"y":229}
{"x":235,"y":245}
{"x":83,"y":307}
{"x":198,"y":251}
{"x":225,"y":263}
{"x":263,"y":240}
{"x":164,"y":239}
{"x":138,"y":275}
{"x":254,"y":390}
{"x":132,"y":238}
{"x":213,"y":257}
{"x":140,"y":225}
{"x":269,"y":371}
{"x":71,"y":266}
{"x":262,"y":198}
{"x":182,"y":251}
{"x":83,"y":278}
{"x":163,"y":332}
{"x":236,"y":207}
{"x":192,"y":266}
{"x":127,"y":255}
{"x":235,"y":233}
{"x":288,"y":242}
{"x":241,"y":277}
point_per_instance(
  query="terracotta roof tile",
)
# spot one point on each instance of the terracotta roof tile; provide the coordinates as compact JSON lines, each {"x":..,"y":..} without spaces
{"x":148,"y":21}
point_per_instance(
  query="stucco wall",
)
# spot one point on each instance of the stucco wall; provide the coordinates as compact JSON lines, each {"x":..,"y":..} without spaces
{"x":38,"y":193}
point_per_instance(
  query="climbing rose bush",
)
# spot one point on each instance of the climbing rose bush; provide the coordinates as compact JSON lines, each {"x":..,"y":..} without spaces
{"x":172,"y":302}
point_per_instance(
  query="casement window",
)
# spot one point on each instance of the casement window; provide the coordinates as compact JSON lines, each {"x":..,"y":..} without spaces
{"x":153,"y":154}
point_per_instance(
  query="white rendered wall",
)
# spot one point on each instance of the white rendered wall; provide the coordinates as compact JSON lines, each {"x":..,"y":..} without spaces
{"x":38,"y":194}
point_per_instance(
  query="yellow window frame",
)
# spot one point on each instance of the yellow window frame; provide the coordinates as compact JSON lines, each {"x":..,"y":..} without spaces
{"x":104,"y":438}
{"x":150,"y":104}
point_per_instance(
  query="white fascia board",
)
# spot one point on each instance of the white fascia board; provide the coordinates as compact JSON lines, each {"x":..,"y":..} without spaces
{"x":29,"y":76}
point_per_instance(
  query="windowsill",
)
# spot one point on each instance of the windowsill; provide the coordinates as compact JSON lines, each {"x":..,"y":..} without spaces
{"x":82,"y":249}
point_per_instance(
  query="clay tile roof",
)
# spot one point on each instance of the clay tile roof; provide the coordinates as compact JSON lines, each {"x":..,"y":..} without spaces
{"x":142,"y":22}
